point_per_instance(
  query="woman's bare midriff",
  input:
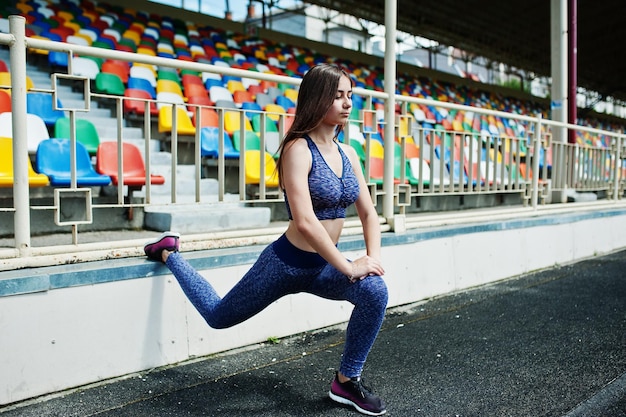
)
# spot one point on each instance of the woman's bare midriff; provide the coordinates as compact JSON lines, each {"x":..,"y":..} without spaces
{"x":333,"y":228}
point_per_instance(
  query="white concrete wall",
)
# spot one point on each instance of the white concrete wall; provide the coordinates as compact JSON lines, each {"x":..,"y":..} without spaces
{"x":59,"y":339}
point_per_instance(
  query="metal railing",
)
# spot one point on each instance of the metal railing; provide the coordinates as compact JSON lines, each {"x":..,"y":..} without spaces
{"x":456,"y":161}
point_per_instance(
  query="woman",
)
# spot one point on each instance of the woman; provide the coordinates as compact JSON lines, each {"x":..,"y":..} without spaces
{"x":320,"y":178}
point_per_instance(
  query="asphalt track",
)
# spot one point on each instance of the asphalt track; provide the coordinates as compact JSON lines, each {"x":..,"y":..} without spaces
{"x":552,"y":343}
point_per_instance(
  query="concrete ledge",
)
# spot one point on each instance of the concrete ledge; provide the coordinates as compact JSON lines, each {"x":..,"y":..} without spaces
{"x":202,"y":218}
{"x":70,"y":325}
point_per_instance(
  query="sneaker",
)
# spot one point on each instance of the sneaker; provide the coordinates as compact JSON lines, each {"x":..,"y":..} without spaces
{"x":167,"y":240}
{"x":356,"y":394}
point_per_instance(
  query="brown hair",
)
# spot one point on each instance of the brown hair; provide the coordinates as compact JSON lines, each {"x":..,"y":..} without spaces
{"x":315,"y":96}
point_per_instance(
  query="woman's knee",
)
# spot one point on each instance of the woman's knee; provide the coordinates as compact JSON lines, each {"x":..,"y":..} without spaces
{"x":374,"y":291}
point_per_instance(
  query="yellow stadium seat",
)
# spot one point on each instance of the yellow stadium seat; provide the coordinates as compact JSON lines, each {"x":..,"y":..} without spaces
{"x":232,"y":122}
{"x":234,"y":85}
{"x":5,"y":80}
{"x":291,"y":94}
{"x":274,"y":111}
{"x":253,"y":168}
{"x":184,"y":124}
{"x":169,"y":86}
{"x":6,"y":167}
{"x":377,"y":149}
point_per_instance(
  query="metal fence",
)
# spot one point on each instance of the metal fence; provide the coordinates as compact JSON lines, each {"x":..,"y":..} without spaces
{"x":424,"y":159}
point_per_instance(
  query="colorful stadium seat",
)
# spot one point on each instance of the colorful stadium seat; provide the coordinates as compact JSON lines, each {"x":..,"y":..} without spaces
{"x":133,"y":166}
{"x":86,"y":133}
{"x":6,"y":167}
{"x":53,"y":160}
{"x":253,"y":168}
{"x":209,"y":144}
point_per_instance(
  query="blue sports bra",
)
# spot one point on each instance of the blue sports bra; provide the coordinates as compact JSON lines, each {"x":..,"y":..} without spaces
{"x":330,"y":194}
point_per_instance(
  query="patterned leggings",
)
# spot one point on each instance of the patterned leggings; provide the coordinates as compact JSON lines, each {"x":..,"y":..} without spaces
{"x":283,"y":269}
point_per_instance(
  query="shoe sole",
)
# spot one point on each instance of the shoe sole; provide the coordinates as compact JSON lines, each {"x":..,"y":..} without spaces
{"x":346,"y":401}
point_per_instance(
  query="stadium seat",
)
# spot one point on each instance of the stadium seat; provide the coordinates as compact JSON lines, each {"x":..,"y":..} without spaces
{"x":377,"y":168}
{"x":86,"y":133}
{"x":274,"y":111}
{"x":253,"y":141}
{"x":5,"y":81}
{"x":58,"y":59}
{"x":285,"y":102}
{"x":133,"y":167}
{"x":191,"y":79}
{"x":119,"y":68}
{"x":263,"y":100}
{"x":194,"y":90}
{"x":41,"y":105}
{"x":184,"y":124}
{"x":37,"y":130}
{"x":108,"y":83}
{"x":272,"y":143}
{"x":5,"y":101}
{"x":138,"y":107}
{"x":413,"y":171}
{"x":208,"y":118}
{"x":199,"y":100}
{"x":165,"y":73}
{"x":141,"y":84}
{"x":6,"y":167}
{"x":232,"y":122}
{"x":242,"y":96}
{"x":217,"y":93}
{"x":209,"y":144}
{"x":53,"y":160}
{"x":146,"y":73}
{"x":253,"y":168}
{"x":85,"y":67}
{"x":166,"y":99}
{"x":168,"y":86}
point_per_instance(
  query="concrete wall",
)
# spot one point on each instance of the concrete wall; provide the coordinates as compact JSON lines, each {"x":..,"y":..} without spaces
{"x":70,"y":325}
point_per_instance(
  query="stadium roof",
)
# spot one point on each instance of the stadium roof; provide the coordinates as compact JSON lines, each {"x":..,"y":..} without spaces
{"x":514,"y":32}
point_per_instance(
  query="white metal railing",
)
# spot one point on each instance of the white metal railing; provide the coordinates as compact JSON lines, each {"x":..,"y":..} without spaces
{"x":450,"y":161}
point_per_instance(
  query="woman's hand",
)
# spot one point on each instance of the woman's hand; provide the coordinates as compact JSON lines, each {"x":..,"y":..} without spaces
{"x":364,"y":267}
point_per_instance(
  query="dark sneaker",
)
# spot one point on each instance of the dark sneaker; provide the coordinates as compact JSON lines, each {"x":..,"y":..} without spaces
{"x":167,"y":240}
{"x":356,"y":394}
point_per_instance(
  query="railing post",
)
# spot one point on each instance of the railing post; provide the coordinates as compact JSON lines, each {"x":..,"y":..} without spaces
{"x":535,"y":163}
{"x":617,"y":173}
{"x":21,"y":192}
{"x":396,"y":222}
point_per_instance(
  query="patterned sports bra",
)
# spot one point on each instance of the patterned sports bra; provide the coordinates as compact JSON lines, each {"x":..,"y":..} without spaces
{"x":330,"y":194}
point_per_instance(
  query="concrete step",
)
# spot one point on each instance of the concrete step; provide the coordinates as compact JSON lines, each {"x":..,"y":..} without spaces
{"x":203,"y":218}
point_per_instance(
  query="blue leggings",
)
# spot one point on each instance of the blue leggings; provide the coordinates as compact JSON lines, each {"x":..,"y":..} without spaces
{"x":283,"y":269}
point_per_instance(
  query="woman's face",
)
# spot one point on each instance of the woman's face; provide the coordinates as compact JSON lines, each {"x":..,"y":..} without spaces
{"x":339,"y":112}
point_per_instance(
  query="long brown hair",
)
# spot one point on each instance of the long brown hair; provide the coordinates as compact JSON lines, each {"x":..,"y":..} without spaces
{"x":315,"y":96}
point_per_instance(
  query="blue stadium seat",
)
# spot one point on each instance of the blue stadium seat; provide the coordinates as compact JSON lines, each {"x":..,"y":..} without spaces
{"x":209,"y":144}
{"x":41,"y":105}
{"x":53,"y":160}
{"x":142,"y":84}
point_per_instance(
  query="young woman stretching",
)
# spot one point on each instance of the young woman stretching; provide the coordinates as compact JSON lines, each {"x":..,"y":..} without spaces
{"x":320,"y":178}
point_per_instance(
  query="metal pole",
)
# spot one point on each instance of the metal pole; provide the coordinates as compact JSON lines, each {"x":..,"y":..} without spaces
{"x":21,"y":192}
{"x":572,"y":65}
{"x":535,"y":163}
{"x":390,"y":109}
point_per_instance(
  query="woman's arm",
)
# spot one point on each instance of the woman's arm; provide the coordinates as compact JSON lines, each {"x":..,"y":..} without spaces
{"x":365,"y":207}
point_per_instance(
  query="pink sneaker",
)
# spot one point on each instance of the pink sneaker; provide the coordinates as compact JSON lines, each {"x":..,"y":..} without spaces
{"x":167,"y":240}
